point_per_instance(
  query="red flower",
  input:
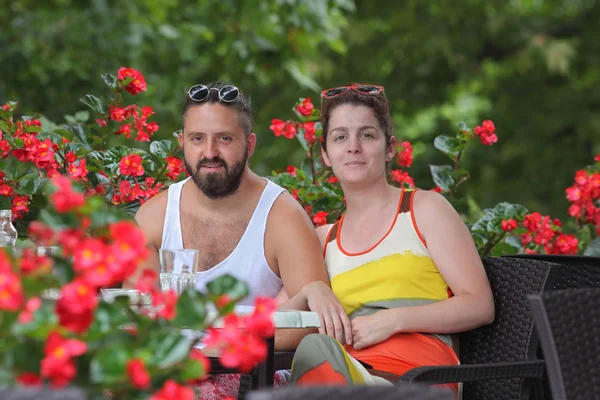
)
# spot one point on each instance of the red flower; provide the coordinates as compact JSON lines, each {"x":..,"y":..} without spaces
{"x":29,"y":379}
{"x":79,"y":172}
{"x":597,"y":158}
{"x":320,"y":218}
{"x":30,"y":262}
{"x":76,"y":306}
{"x":11,"y":292}
{"x":309,"y":132}
{"x":222,"y":301}
{"x":70,"y":157}
{"x":6,"y":190}
{"x":138,"y":83}
{"x":305,"y":107}
{"x":277,"y":126}
{"x":565,"y":244}
{"x":333,"y":179}
{"x":124,"y":129}
{"x":19,"y":206}
{"x":101,"y":122}
{"x":509,"y":225}
{"x":174,"y":166}
{"x":405,"y":157}
{"x":260,"y":322}
{"x":40,"y":233}
{"x":116,"y":113}
{"x":289,"y":131}
{"x":168,"y":301}
{"x":291,"y":170}
{"x":26,"y":316}
{"x":131,"y":165}
{"x":437,"y":189}
{"x":486,"y":133}
{"x":402,"y":177}
{"x":58,"y":364}
{"x":65,"y":199}
{"x":295,"y":194}
{"x":139,"y":376}
{"x":171,"y":390}
{"x":147,"y":281}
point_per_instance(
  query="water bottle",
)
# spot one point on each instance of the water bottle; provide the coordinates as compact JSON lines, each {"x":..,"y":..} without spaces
{"x":8,"y":233}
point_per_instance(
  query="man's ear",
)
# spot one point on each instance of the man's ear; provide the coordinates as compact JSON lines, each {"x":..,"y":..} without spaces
{"x":180,"y":139}
{"x":251,"y":144}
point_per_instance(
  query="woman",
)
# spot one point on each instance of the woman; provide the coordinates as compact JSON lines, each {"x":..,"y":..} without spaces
{"x":401,"y":262}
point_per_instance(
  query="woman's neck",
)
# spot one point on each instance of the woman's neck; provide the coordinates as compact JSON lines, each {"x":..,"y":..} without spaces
{"x":365,"y":200}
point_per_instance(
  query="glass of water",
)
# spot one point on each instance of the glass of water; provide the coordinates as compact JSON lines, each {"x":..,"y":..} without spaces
{"x":178,"y":269}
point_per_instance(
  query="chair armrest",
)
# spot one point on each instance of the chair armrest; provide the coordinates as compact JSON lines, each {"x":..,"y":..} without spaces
{"x":474,"y":372}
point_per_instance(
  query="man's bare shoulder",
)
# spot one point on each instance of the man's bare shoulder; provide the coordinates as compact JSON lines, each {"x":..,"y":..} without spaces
{"x":151,"y":215}
{"x":287,"y":210}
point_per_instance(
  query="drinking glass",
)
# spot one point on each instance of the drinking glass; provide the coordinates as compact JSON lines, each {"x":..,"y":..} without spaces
{"x":178,"y":269}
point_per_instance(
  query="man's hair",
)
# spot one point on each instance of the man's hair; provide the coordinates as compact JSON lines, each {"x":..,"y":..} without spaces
{"x":241,"y":105}
{"x":378,"y":104}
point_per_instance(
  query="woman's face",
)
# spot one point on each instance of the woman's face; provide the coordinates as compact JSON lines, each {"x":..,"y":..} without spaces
{"x":356,"y":145}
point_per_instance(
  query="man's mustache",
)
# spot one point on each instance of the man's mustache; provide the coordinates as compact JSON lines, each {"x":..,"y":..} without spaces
{"x":216,"y":160}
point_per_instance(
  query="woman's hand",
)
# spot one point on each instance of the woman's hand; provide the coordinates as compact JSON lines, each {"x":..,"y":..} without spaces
{"x":334,"y":321}
{"x":373,"y":329}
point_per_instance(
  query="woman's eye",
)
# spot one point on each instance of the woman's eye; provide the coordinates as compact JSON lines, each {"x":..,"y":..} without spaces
{"x":368,"y":135}
{"x":340,"y":137}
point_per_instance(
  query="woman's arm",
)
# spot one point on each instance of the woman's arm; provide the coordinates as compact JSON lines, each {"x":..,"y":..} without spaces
{"x":453,"y":251}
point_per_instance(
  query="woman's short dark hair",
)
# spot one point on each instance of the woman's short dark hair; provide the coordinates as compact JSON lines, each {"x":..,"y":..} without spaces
{"x":377,"y":103}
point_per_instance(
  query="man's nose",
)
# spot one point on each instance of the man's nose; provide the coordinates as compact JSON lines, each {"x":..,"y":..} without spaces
{"x":212,"y":149}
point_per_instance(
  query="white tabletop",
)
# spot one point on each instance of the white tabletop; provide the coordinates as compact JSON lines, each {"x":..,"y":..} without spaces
{"x":282,"y":319}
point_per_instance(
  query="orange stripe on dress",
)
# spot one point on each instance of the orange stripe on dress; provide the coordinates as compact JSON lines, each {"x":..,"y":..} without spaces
{"x":339,"y":244}
{"x":414,"y":220}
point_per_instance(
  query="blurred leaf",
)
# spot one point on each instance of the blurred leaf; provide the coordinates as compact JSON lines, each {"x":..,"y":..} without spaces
{"x":168,"y":348}
{"x":593,"y":248}
{"x":191,"y":310}
{"x":44,"y":321}
{"x":108,"y":364}
{"x":162,"y":148}
{"x":229,"y":285}
{"x":110,"y":80}
{"x":442,"y":176}
{"x":95,"y":103}
{"x":448,"y":145}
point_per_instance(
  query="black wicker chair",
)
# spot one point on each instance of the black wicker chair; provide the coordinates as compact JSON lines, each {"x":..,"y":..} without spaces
{"x":496,"y":359}
{"x":576,"y":272}
{"x":568,"y":322}
{"x":410,"y":392}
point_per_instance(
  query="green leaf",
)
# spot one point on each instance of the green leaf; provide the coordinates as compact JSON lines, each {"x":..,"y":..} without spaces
{"x":506,"y":211}
{"x":5,"y":203}
{"x":442,"y":176}
{"x":448,"y":145}
{"x":43,"y":322}
{"x":110,"y":80}
{"x":169,"y":348}
{"x":77,"y":131}
{"x":513,"y":241}
{"x":108,"y":317}
{"x":593,"y":248}
{"x":30,"y":184}
{"x":163,"y":148}
{"x":95,"y":103}
{"x":108,"y":365}
{"x":191,"y":310}
{"x":229,"y":285}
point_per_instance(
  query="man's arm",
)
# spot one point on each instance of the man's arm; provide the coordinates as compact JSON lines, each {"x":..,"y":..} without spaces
{"x":297,"y":251}
{"x":150,"y":218}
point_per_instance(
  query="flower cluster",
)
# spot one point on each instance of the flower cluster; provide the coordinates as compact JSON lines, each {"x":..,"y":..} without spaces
{"x":546,"y":233}
{"x":486,"y":132}
{"x":129,"y":352}
{"x":584,"y":196}
{"x":241,"y":338}
{"x":29,"y":155}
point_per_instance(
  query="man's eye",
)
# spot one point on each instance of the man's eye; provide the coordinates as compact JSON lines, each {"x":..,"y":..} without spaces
{"x":225,"y":138}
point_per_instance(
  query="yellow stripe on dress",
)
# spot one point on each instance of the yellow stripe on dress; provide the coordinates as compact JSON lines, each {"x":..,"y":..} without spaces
{"x":396,"y":276}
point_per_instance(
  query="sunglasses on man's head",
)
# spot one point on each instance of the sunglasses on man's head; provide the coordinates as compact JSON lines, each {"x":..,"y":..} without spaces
{"x":371,"y":90}
{"x":227,"y":94}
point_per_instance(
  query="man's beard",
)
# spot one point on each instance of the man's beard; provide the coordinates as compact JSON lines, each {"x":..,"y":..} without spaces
{"x":217,"y":185}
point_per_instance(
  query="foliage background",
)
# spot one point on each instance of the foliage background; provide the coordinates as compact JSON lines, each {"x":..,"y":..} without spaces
{"x":529,"y":65}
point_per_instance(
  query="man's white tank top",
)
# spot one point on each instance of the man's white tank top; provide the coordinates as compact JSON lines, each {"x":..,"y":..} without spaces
{"x":247,"y":261}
